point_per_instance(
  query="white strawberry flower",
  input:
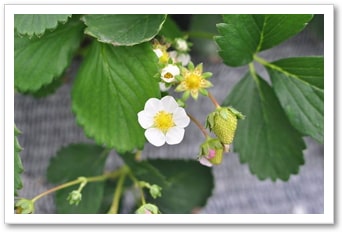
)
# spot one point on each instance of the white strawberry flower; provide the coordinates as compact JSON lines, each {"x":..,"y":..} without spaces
{"x":169,"y":73}
{"x":183,"y":58}
{"x":164,"y":121}
{"x":181,"y":45}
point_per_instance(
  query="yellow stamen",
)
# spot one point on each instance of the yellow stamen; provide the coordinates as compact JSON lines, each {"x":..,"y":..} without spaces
{"x":164,"y":58}
{"x":168,"y":75}
{"x":163,"y":121}
{"x":193,"y":81}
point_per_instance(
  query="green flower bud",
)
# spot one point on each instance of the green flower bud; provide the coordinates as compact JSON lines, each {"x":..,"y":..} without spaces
{"x":223,"y":122}
{"x":155,"y":191}
{"x":24,"y":206}
{"x":148,"y":209}
{"x":211,"y":152}
{"x":74,"y":197}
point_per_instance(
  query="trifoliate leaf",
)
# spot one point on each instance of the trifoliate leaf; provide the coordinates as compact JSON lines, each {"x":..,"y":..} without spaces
{"x":265,"y":139}
{"x":298,"y":83}
{"x":111,"y":87}
{"x":242,"y":36}
{"x":18,"y":166}
{"x":72,"y":162}
{"x":37,"y":24}
{"x":39,"y":61}
{"x":123,"y":30}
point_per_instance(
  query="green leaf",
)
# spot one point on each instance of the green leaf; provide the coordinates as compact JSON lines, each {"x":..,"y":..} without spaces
{"x":185,"y":185}
{"x":265,"y":139}
{"x":37,"y":24}
{"x":47,"y":90}
{"x":123,"y":30}
{"x":297,"y":83}
{"x":38,"y":62}
{"x":72,"y":162}
{"x":18,"y":166}
{"x":111,"y":87}
{"x":242,"y":36}
{"x":310,"y":70}
{"x":188,"y":187}
{"x":170,"y":29}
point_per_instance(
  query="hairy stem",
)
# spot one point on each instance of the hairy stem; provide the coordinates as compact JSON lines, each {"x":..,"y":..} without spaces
{"x":199,"y":125}
{"x":213,"y":100}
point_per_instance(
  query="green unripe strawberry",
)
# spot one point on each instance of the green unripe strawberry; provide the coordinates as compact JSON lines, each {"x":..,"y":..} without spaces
{"x":223,"y":122}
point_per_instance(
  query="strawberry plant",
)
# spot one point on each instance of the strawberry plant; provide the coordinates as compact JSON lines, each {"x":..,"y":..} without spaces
{"x":133,"y":86}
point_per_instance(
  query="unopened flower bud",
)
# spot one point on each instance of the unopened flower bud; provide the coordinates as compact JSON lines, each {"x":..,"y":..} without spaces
{"x":74,"y":197}
{"x":211,"y":152}
{"x":148,"y":209}
{"x":155,"y":191}
{"x":24,"y":206}
{"x":223,"y":122}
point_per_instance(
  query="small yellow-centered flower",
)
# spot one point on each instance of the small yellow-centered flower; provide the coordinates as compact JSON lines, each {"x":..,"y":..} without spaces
{"x":169,"y":73}
{"x":193,"y":81}
{"x":161,"y":52}
{"x":164,"y":121}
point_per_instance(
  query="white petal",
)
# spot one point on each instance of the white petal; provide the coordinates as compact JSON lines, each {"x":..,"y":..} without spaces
{"x":173,"y":55}
{"x":158,"y":52}
{"x":163,"y":87}
{"x":153,"y":105}
{"x":145,"y":119}
{"x":205,"y":162}
{"x":174,"y":135}
{"x":169,"y":104}
{"x":155,"y":137}
{"x":180,"y":118}
{"x":184,"y":58}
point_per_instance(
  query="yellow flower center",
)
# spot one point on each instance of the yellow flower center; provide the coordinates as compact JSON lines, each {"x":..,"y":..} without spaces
{"x":193,"y":80}
{"x":164,"y":58}
{"x":168,"y":75}
{"x":163,"y":121}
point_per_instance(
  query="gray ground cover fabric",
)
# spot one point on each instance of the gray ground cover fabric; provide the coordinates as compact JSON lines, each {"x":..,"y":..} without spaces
{"x":48,"y":124}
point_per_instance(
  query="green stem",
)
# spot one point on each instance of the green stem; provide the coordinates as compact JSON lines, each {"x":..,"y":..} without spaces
{"x":272,"y":66}
{"x":200,"y":34}
{"x":65,"y":185}
{"x":136,"y":183}
{"x":111,"y":175}
{"x":117,"y":194}
{"x":253,"y":72}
